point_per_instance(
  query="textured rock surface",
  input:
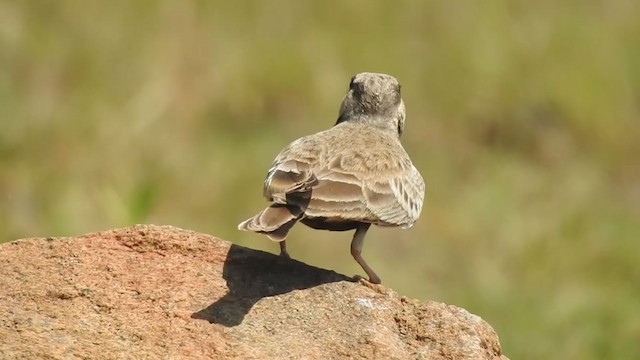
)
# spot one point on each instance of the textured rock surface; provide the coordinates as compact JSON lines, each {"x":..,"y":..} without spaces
{"x":151,"y":292}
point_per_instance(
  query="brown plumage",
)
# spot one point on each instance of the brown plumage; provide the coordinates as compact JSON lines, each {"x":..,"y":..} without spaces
{"x":347,"y":177}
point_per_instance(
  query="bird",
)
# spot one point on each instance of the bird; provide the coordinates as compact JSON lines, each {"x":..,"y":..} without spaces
{"x":347,"y":177}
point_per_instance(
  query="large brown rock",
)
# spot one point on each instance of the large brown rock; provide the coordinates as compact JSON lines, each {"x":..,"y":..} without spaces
{"x":159,"y":292}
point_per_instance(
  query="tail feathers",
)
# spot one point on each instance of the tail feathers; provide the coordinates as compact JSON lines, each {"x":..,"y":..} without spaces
{"x":275,"y":221}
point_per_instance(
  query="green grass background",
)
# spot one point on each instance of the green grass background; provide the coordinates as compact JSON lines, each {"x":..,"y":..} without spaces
{"x":523,"y":117}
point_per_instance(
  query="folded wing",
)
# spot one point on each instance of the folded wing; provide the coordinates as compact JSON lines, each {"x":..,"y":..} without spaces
{"x":385,"y":189}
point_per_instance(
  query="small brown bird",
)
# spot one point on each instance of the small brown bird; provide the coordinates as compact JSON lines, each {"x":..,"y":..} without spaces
{"x":347,"y":177}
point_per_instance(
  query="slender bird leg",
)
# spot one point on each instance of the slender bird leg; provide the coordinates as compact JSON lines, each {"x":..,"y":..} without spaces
{"x":283,"y":249}
{"x":356,"y":252}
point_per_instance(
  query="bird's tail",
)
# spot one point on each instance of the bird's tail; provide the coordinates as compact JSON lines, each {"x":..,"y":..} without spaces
{"x":275,"y":221}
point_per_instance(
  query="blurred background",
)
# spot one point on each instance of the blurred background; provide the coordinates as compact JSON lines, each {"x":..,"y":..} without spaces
{"x":523,"y":119}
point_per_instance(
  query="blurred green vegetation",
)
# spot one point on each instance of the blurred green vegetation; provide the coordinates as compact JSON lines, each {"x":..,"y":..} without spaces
{"x":523,"y":117}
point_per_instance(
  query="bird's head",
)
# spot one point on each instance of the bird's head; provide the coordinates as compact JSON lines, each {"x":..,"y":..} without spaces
{"x":374,"y":98}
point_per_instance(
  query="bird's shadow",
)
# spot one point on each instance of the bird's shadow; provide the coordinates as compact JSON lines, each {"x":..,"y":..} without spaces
{"x":253,"y":274}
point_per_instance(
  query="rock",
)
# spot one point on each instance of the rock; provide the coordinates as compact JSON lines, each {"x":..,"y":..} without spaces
{"x":151,"y":292}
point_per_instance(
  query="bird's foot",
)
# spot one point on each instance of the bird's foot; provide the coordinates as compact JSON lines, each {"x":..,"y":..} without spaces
{"x":365,"y":281}
{"x":371,"y":285}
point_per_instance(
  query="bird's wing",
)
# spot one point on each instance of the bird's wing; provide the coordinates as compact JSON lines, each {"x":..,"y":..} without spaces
{"x":391,"y":188}
{"x":353,"y":183}
{"x":291,"y":172}
{"x":398,"y":198}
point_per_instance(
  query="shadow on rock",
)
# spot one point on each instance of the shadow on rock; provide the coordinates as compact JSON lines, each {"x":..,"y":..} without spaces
{"x":251,"y":275}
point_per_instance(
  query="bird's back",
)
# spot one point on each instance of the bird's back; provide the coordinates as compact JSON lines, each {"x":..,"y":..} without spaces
{"x":348,"y":174}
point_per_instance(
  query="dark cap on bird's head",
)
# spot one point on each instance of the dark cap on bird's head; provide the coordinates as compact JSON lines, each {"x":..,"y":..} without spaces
{"x":376,"y":98}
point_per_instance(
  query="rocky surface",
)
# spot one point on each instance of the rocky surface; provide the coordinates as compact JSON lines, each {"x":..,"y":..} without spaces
{"x":159,"y":292}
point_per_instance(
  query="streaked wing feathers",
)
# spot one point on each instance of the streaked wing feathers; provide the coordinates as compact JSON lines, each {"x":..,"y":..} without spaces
{"x":286,"y":177}
{"x":350,"y":183}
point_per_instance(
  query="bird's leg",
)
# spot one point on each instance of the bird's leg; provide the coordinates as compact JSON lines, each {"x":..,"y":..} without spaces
{"x":283,"y":249}
{"x":356,"y":252}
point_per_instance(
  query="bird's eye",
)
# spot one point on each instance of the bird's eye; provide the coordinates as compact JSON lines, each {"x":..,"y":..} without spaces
{"x":352,"y":83}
